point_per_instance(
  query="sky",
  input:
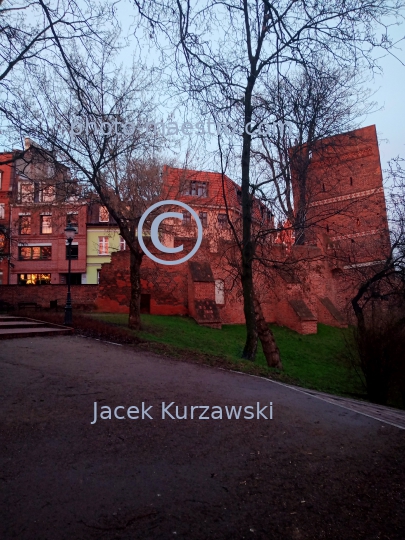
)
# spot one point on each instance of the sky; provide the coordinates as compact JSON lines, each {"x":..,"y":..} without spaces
{"x":388,"y":88}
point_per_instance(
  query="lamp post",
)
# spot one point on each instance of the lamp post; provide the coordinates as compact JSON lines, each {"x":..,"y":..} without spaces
{"x":70,"y":232}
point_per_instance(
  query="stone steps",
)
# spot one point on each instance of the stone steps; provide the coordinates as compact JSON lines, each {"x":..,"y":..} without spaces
{"x":18,"y":327}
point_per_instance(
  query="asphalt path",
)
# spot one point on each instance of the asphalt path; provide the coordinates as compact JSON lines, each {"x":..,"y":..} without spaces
{"x":314,"y":470}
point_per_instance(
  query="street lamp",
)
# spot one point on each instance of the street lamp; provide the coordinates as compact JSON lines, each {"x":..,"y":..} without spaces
{"x":70,"y":232}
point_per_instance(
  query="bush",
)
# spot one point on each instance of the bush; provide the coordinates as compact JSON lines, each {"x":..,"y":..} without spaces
{"x":377,"y":354}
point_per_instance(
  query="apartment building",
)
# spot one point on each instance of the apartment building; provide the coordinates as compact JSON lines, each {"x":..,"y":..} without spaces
{"x":44,"y":201}
{"x":102,"y":239}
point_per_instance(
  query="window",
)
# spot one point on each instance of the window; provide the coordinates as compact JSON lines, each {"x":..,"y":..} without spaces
{"x":222,"y":221}
{"x":1,"y":179}
{"x":34,"y":279}
{"x":72,"y":219}
{"x":358,"y":222}
{"x":123,"y":244}
{"x":48,"y":193}
{"x":351,"y":180}
{"x":75,"y":279}
{"x":46,"y":224}
{"x":74,"y":252}
{"x":35,"y":253}
{"x":197,"y":189}
{"x":219,"y":291}
{"x":26,"y":192}
{"x":2,"y":211}
{"x":1,"y":273}
{"x":186,"y":218}
{"x":103,"y":214}
{"x":323,"y":187}
{"x":98,"y":277}
{"x":203,"y":219}
{"x":24,"y":225}
{"x":103,"y":245}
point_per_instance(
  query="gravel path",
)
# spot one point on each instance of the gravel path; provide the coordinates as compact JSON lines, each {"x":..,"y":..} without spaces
{"x":315,"y":470}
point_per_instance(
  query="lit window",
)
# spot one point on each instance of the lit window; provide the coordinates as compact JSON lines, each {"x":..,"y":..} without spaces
{"x":103,"y":214}
{"x":123,"y":244}
{"x":203,"y":219}
{"x":103,"y":245}
{"x":34,"y":279}
{"x":1,"y":179}
{"x":24,"y":225}
{"x":35,"y":253}
{"x":46,"y":224}
{"x":2,"y":211}
{"x":222,"y":221}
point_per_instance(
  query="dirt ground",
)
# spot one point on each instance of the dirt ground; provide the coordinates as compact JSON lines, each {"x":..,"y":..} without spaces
{"x":315,"y":471}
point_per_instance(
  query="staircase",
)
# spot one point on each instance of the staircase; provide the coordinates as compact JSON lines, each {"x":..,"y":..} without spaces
{"x":19,"y":327}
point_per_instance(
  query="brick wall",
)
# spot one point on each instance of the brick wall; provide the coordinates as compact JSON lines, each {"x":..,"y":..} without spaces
{"x":82,"y":295}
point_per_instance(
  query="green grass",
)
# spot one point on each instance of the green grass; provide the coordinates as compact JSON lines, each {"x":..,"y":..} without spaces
{"x":312,"y":361}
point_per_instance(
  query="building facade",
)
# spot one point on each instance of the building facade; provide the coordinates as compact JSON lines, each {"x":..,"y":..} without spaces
{"x":44,"y":200}
{"x":103,"y":239}
{"x":6,"y":177}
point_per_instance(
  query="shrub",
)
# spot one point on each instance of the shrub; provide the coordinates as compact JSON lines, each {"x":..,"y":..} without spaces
{"x":377,"y":354}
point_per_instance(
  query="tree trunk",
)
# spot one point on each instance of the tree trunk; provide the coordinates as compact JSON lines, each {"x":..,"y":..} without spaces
{"x":270,"y":349}
{"x":249,"y":351}
{"x":134,"y":321}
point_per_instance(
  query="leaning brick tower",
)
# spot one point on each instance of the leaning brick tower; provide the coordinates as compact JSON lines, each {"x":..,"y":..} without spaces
{"x":345,"y":203}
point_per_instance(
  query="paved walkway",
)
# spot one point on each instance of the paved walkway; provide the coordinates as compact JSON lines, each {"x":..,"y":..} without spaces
{"x":318,"y":470}
{"x":388,"y":415}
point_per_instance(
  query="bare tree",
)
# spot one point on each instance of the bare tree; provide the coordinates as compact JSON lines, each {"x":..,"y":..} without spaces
{"x":94,"y":117}
{"x":36,"y":34}
{"x":226,"y":52}
{"x":301,"y":114}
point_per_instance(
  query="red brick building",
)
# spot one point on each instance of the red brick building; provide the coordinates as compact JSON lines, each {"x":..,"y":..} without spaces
{"x":6,"y":172}
{"x":43,"y":201}
{"x":347,"y":225}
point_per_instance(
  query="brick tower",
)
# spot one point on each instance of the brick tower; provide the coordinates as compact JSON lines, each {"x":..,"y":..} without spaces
{"x":346,"y":211}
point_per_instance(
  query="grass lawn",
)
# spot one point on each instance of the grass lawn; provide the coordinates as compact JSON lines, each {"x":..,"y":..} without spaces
{"x":312,"y":361}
